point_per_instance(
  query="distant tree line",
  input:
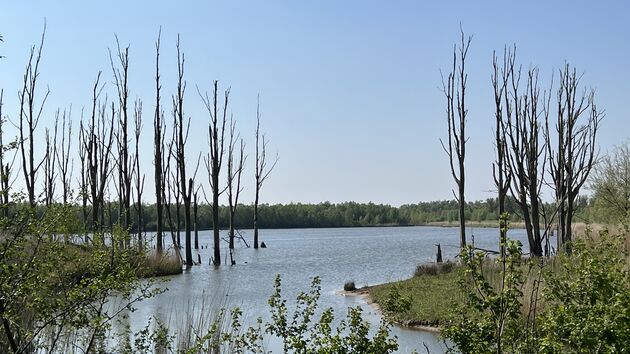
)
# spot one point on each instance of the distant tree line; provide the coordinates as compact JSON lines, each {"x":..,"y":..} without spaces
{"x":326,"y":214}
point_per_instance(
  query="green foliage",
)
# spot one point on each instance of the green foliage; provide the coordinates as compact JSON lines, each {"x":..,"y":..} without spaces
{"x":610,"y":184}
{"x":303,"y":335}
{"x":397,"y":303}
{"x":490,"y":319}
{"x":589,"y":300}
{"x":300,"y":332}
{"x":585,"y":306}
{"x":51,"y":289}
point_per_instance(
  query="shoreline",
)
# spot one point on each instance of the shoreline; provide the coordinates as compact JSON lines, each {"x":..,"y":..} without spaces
{"x":417,"y":325}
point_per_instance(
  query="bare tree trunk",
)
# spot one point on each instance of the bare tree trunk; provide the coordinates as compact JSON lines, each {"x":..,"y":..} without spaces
{"x":195,"y":210}
{"x":523,"y":131}
{"x":455,"y":91}
{"x":158,"y":148}
{"x":139,"y":178}
{"x":185,"y":185}
{"x":234,"y":179}
{"x":500,"y":168}
{"x":97,"y":142}
{"x":262,"y":169}
{"x":63,"y":158}
{"x":121,"y":77}
{"x":84,"y":179}
{"x":214,"y":159}
{"x":5,"y":169}
{"x":30,"y":113}
{"x":167,"y":193}
{"x":50,"y":174}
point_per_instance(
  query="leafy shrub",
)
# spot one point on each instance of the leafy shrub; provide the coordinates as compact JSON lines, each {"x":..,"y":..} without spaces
{"x":588,"y":300}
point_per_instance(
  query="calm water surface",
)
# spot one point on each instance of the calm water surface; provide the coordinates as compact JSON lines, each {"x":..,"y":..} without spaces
{"x":367,"y":256}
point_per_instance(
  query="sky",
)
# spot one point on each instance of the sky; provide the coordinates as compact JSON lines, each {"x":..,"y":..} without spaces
{"x":350,"y":92}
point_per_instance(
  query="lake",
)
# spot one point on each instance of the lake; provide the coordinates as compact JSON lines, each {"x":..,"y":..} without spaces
{"x":367,"y":256}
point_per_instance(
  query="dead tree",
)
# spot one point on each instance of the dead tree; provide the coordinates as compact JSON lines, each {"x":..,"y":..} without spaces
{"x":98,"y":140}
{"x":124,"y":163}
{"x":234,"y":172}
{"x":195,"y":214}
{"x":158,"y":151}
{"x":167,"y":194}
{"x":138,"y":175}
{"x":50,"y":171}
{"x":182,"y":129}
{"x":30,"y":114}
{"x":83,"y":182}
{"x":455,"y":91}
{"x":500,"y":168}
{"x":214,"y":159}
{"x":526,"y":152}
{"x":63,"y":157}
{"x":262,"y":168}
{"x":572,"y":160}
{"x":5,"y":166}
{"x":171,"y":181}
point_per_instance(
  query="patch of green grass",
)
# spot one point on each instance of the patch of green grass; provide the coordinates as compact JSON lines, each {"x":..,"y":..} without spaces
{"x":433,"y":299}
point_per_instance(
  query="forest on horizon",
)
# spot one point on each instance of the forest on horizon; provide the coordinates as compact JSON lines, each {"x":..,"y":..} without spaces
{"x":345,"y":214}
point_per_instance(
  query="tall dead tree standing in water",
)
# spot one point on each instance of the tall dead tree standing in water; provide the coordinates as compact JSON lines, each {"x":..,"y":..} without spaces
{"x":185,"y":186}
{"x":214,"y":159}
{"x":234,"y":172}
{"x":30,"y":114}
{"x":262,"y":168}
{"x":455,"y":91}
{"x":572,"y":160}
{"x":158,"y":152}
{"x":97,"y":139}
{"x":124,"y":163}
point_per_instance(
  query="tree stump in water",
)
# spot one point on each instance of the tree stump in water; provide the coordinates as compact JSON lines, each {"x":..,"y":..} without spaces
{"x":263,"y":245}
{"x":439,"y":253}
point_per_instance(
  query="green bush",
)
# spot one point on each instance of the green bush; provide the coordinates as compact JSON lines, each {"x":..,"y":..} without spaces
{"x":588,"y":300}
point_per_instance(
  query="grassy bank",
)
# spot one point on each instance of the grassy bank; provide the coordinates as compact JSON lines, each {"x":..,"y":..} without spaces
{"x":429,"y":298}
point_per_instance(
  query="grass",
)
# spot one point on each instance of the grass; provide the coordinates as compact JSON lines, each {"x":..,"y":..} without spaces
{"x":434,"y":268}
{"x":433,"y":296}
{"x":157,"y":265}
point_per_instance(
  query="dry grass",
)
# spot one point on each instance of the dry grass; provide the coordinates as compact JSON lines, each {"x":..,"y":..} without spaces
{"x":156,"y":265}
{"x":434,"y":268}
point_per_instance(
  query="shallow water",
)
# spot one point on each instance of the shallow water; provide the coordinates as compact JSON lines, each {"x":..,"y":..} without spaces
{"x":366,"y":256}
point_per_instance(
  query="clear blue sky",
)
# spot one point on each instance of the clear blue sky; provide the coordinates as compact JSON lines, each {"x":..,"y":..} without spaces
{"x":350,"y":91}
